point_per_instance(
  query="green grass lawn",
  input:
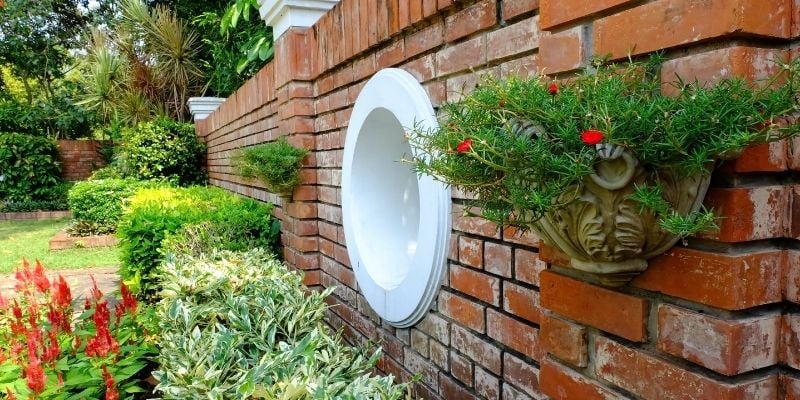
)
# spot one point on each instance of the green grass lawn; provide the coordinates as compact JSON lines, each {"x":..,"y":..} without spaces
{"x":30,"y":239}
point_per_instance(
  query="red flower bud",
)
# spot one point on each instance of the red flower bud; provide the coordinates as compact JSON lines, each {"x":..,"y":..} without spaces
{"x":592,"y":137}
{"x":553,"y":89}
{"x":464,"y":146}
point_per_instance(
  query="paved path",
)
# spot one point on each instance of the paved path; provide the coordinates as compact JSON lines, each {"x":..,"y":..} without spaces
{"x":79,"y":281}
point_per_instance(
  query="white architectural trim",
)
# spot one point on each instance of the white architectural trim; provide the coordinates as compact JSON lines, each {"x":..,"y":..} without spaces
{"x":284,"y":14}
{"x":202,"y":107}
{"x":396,"y":223}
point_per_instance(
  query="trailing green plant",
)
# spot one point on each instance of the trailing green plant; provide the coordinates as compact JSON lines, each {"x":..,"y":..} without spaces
{"x":29,"y":168}
{"x":276,"y":164}
{"x":241,"y":326}
{"x":107,"y":172}
{"x":97,"y":204}
{"x":522,"y":146}
{"x":48,"y":353}
{"x":155,"y":213}
{"x":164,"y":149}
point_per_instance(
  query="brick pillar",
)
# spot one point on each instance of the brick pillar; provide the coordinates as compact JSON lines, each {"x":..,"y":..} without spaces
{"x":294,"y":58}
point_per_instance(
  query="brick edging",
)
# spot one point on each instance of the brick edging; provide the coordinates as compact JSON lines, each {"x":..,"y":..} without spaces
{"x":34,"y":215}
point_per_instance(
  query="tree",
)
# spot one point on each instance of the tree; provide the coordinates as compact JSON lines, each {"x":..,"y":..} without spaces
{"x":36,"y":38}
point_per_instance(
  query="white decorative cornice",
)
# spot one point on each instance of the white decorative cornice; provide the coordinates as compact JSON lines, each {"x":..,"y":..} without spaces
{"x":284,"y":14}
{"x":202,"y":107}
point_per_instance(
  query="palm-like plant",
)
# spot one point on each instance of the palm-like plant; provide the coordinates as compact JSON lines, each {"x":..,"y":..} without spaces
{"x":146,"y":66}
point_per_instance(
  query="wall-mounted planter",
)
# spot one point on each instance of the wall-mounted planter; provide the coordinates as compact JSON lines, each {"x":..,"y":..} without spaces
{"x":202,"y":107}
{"x":396,"y":224}
{"x":603,"y":230}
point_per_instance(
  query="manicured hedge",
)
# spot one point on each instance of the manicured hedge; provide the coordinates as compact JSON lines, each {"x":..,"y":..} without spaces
{"x":97,"y":204}
{"x":29,"y":168}
{"x":155,"y":213}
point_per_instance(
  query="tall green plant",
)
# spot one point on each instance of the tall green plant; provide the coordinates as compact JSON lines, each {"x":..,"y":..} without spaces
{"x":29,"y":168}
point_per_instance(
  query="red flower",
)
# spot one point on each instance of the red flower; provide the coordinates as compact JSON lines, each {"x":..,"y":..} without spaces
{"x":39,"y":279}
{"x":111,"y":391}
{"x":592,"y":137}
{"x":128,"y":300}
{"x":464,"y":146}
{"x":34,"y":374}
{"x":62,"y":296}
{"x":553,"y":89}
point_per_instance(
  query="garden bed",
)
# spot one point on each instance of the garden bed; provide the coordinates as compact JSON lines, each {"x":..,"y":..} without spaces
{"x":62,"y":240}
{"x":34,"y":215}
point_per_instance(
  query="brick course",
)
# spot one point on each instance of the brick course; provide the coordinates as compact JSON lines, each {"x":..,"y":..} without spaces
{"x":714,"y":320}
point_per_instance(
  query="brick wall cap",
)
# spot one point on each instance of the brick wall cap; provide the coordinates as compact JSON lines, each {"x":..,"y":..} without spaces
{"x":202,"y":107}
{"x":284,"y":14}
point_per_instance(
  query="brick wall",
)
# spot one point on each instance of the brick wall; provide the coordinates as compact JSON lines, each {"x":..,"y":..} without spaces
{"x":79,"y":158}
{"x":718,"y":319}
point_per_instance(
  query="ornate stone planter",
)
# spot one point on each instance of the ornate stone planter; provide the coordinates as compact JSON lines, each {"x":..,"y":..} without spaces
{"x":603,"y":231}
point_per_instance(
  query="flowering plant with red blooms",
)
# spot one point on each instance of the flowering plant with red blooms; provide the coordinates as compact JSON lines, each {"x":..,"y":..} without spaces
{"x":49,"y":351}
{"x":533,"y":143}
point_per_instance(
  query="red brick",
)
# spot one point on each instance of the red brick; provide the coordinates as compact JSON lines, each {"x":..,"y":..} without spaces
{"x":428,"y":8}
{"x":403,"y":17}
{"x":383,"y":20}
{"x":653,"y":378}
{"x":464,"y":222}
{"x":731,"y":282}
{"x":497,"y":259}
{"x":470,"y":252}
{"x":794,"y":225}
{"x":605,"y":309}
{"x":476,"y":17}
{"x":790,"y":387}
{"x":514,"y":39}
{"x":514,"y":8}
{"x":442,"y":4}
{"x":564,"y":340}
{"x":486,"y":384}
{"x":528,"y":266}
{"x":791,"y":340}
{"x":461,"y":368}
{"x":415,"y":11}
{"x":463,"y":56}
{"x":424,"y":368}
{"x":436,"y":327}
{"x":516,"y":235}
{"x":766,"y":157}
{"x":709,"y":67}
{"x":555,"y":12}
{"x":452,"y":390}
{"x":562,"y":51}
{"x":518,"y":336}
{"x":562,"y":383}
{"x":730,"y":347}
{"x":477,"y":349}
{"x":668,"y":23}
{"x":390,"y":55}
{"x":394,"y":16}
{"x":791,"y":276}
{"x":423,"y":68}
{"x":463,"y":311}
{"x":750,"y":213}
{"x":521,"y":374}
{"x":521,"y":302}
{"x":476,"y":284}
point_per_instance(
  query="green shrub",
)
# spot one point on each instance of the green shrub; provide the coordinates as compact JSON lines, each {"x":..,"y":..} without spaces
{"x":276,"y":164}
{"x":154,"y":213}
{"x":107,"y":172}
{"x":164,"y":149}
{"x":241,"y":326}
{"x":29,"y":168}
{"x":33,"y":205}
{"x":97,"y":205}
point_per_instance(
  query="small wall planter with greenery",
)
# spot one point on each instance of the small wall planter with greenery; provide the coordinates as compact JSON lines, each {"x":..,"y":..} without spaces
{"x":276,"y":164}
{"x":602,"y":166}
